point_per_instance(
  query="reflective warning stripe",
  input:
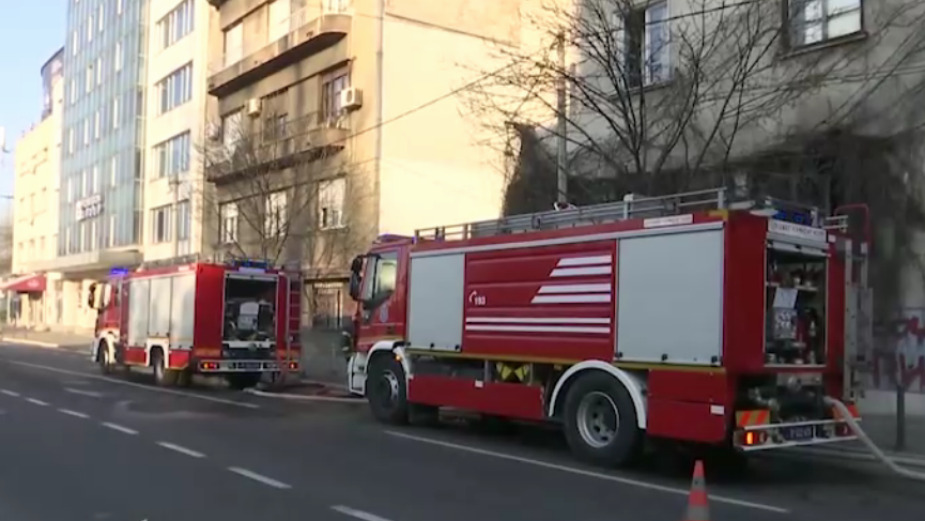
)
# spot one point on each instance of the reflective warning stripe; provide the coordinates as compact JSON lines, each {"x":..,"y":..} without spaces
{"x":751,"y":418}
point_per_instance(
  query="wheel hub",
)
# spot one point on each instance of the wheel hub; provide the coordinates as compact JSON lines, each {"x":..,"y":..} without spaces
{"x":598,"y":419}
{"x":389,"y":384}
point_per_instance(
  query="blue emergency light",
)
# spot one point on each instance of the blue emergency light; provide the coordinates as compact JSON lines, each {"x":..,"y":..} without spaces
{"x":248,"y":263}
{"x":119,"y":271}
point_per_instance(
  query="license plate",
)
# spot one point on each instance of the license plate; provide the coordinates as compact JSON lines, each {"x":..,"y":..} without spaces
{"x":249,"y":365}
{"x":799,"y":433}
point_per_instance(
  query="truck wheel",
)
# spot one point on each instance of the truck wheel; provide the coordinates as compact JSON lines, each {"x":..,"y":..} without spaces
{"x":162,"y":376}
{"x":600,"y":421}
{"x":386,"y":391}
{"x":241,"y":381}
{"x":103,"y":358}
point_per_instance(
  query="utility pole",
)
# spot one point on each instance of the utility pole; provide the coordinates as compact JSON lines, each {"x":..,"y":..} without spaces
{"x":561,"y":127}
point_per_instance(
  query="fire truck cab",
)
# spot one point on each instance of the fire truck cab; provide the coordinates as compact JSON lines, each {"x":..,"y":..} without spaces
{"x":686,"y":317}
{"x":239,"y":320}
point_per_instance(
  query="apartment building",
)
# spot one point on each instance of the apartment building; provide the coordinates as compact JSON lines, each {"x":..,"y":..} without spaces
{"x":344,"y":112}
{"x":177,"y":109}
{"x":101,"y":202}
{"x":35,"y":209}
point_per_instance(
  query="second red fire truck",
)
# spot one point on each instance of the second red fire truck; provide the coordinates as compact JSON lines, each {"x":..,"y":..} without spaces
{"x":239,"y":320}
{"x":683,"y":317}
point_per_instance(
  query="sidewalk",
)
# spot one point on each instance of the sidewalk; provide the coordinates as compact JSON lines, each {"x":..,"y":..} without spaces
{"x":51,"y":339}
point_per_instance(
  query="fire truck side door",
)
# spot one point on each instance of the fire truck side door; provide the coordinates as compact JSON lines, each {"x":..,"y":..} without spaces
{"x":379,"y":284}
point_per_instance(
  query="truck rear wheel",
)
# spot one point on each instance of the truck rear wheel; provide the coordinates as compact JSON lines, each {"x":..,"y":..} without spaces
{"x":162,"y":376}
{"x":600,"y":421}
{"x":104,"y":358}
{"x":386,"y":391}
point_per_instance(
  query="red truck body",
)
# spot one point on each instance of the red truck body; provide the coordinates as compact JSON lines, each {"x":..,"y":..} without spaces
{"x":184,"y":319}
{"x":623,"y":321}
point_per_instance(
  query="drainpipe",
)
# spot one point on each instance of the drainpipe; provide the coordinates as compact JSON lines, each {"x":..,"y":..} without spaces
{"x":380,"y":91}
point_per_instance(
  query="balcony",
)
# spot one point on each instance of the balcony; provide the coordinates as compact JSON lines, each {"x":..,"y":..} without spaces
{"x":310,"y":29}
{"x":271,"y":145}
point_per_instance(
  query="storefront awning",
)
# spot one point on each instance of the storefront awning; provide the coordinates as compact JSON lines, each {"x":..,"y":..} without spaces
{"x":34,"y":283}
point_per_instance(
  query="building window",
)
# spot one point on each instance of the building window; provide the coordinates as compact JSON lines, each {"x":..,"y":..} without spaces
{"x":99,"y":71}
{"x":646,"y":49}
{"x":183,"y":220}
{"x":176,"y":89}
{"x":176,"y":24}
{"x":331,"y":88}
{"x":117,"y":57}
{"x":86,"y":131}
{"x":815,"y":21}
{"x":278,"y":20}
{"x":115,"y":113}
{"x":231,"y":130}
{"x":173,"y":156}
{"x":75,"y":43}
{"x":160,"y":224}
{"x":331,"y":203}
{"x":99,"y":17}
{"x":88,"y":78}
{"x":234,"y":44}
{"x":327,"y":305}
{"x":276,"y":222}
{"x":228,"y":225}
{"x":114,"y":171}
{"x":90,"y":28}
{"x":96,"y":125}
{"x":119,"y":6}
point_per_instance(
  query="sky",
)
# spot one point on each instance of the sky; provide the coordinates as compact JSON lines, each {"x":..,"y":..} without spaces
{"x":30,"y":33}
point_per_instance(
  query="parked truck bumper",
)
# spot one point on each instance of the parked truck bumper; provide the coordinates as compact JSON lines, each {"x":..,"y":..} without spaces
{"x":246,"y":366}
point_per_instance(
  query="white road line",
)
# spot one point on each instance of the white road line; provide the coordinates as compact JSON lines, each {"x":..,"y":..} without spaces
{"x":139,"y":386}
{"x":359,"y":514}
{"x":84,"y":393}
{"x":258,"y":477}
{"x":587,"y":473}
{"x":76,"y":414}
{"x":120,"y":428}
{"x":9,"y":393}
{"x":181,"y":449}
{"x":37,"y":402}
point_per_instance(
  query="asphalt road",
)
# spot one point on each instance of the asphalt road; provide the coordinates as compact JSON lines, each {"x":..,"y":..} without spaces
{"x":77,"y":446}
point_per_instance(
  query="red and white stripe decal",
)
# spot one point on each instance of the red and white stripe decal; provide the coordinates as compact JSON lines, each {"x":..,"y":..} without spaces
{"x":539,"y":324}
{"x":598,"y":293}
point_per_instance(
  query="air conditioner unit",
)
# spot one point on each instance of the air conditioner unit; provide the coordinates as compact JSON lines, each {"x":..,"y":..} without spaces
{"x":253,"y":107}
{"x":351,"y":98}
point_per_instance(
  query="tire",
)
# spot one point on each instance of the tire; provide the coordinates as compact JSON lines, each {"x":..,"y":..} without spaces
{"x":163,"y":377}
{"x":386,"y":391}
{"x":241,"y":381}
{"x":103,"y":358}
{"x":600,"y":421}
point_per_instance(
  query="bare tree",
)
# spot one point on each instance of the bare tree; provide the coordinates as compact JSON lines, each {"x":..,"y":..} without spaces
{"x":659,"y":100}
{"x":280,"y":190}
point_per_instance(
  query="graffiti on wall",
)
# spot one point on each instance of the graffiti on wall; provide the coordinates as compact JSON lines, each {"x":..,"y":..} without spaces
{"x":898,"y":353}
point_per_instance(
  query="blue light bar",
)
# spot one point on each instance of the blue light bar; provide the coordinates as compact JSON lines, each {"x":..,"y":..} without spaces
{"x":248,"y":263}
{"x":115,"y":272}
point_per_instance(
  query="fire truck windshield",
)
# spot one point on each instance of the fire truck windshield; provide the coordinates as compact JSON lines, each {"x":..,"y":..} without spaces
{"x":250,"y":309}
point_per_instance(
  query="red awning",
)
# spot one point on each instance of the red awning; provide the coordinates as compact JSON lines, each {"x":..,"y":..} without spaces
{"x":34,"y":283}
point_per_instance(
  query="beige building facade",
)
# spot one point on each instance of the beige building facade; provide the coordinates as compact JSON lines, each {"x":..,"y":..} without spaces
{"x":177,"y":110}
{"x":349,"y":110}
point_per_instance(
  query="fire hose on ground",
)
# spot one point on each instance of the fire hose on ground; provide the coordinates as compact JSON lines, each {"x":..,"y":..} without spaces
{"x":878,"y":454}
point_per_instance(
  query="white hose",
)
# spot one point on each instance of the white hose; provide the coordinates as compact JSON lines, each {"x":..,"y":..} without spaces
{"x":878,"y":454}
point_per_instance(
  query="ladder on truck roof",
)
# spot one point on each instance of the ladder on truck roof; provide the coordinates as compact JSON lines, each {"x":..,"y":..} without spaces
{"x":631,"y":207}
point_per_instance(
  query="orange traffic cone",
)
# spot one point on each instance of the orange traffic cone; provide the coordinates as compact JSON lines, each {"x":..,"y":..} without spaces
{"x":698,"y":508}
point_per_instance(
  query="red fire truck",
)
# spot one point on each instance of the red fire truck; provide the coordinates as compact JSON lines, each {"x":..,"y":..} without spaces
{"x":239,"y":320}
{"x":686,"y":318}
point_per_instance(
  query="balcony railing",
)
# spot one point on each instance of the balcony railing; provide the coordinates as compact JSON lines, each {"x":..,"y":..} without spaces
{"x":305,"y":22}
{"x":269,"y":144}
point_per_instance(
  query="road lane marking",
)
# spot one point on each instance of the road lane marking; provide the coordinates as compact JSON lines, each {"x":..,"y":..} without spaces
{"x":120,"y":428}
{"x":8,"y":392}
{"x":587,"y":473}
{"x":259,"y":477}
{"x":138,"y":386}
{"x":181,"y":449}
{"x":37,"y":402}
{"x":359,"y":514}
{"x":84,"y":393}
{"x":75,"y":414}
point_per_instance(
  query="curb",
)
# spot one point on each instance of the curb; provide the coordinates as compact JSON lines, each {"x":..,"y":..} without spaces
{"x":28,"y":342}
{"x":857,"y":455}
{"x":303,"y":397}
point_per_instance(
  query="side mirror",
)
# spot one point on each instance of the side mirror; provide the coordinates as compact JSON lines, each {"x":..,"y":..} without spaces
{"x":356,"y":266}
{"x":355,"y":286}
{"x":91,"y":295}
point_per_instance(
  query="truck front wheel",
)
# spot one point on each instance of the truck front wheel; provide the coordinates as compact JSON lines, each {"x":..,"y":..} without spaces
{"x":600,"y":421}
{"x":386,"y":391}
